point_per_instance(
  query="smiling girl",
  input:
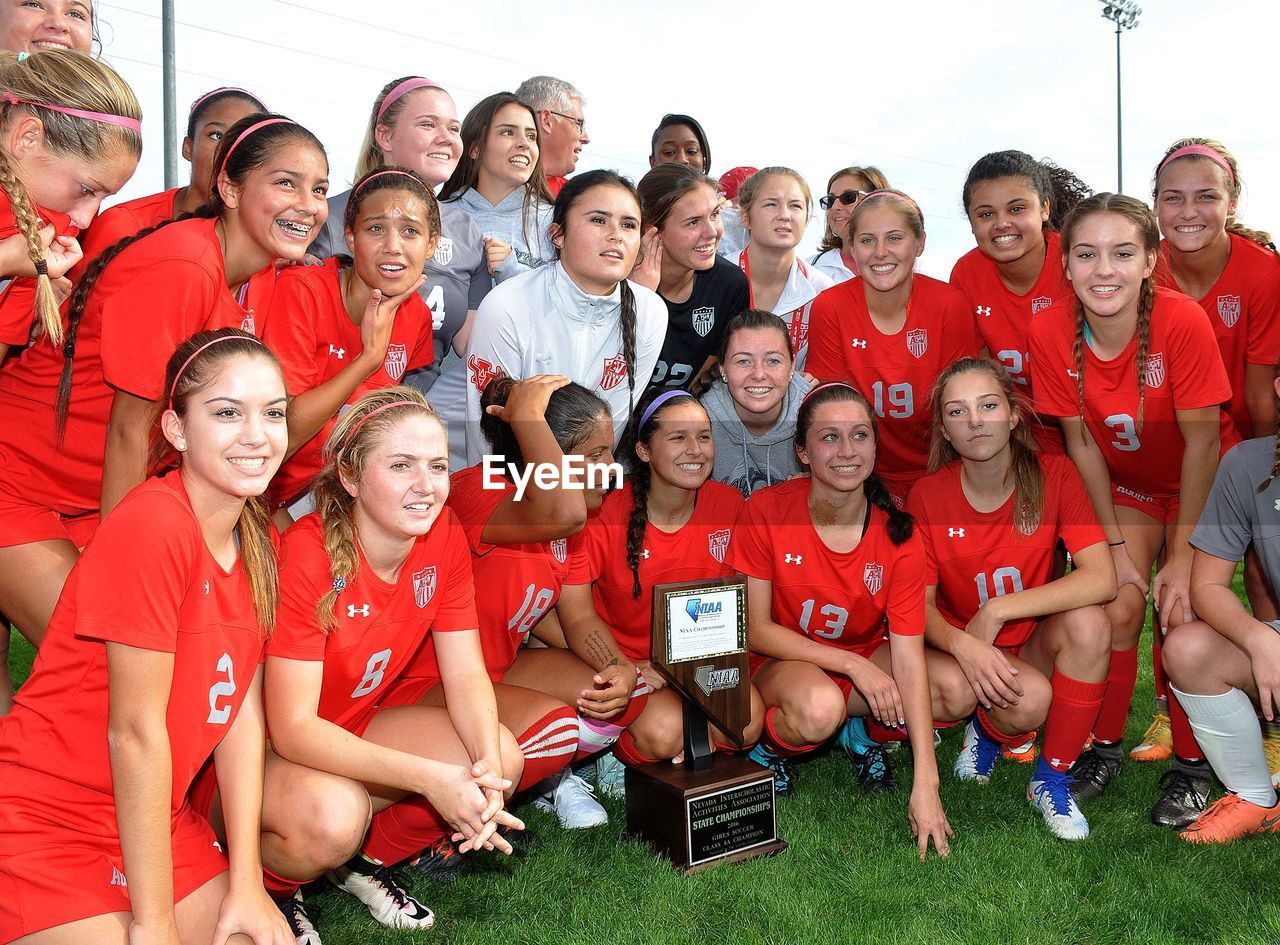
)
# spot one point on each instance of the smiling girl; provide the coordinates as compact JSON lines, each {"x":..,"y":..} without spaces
{"x":679,"y":139}
{"x":891,"y":332}
{"x":1133,"y":374}
{"x":74,"y":440}
{"x":29,"y":27}
{"x":151,"y":670}
{"x":681,"y":220}
{"x":753,"y":403}
{"x":774,"y":205}
{"x":579,"y":317}
{"x":414,"y":124}
{"x":1032,"y":647}
{"x":500,"y":184}
{"x":1015,"y":205}
{"x":845,"y":188}
{"x":357,"y":323}
{"x":830,"y":562}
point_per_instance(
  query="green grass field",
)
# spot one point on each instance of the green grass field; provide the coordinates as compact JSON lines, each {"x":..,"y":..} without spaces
{"x":852,"y":876}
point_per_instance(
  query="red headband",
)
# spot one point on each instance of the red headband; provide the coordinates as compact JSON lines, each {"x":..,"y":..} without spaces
{"x":1199,"y":150}
{"x":244,"y":134}
{"x":408,"y":85}
{"x":132,"y":124}
{"x":195,"y":354}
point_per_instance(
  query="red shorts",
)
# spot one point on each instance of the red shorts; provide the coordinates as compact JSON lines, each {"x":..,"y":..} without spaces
{"x":64,"y":876}
{"x":757,"y":662}
{"x":1164,"y":509}
{"x":23,"y":522}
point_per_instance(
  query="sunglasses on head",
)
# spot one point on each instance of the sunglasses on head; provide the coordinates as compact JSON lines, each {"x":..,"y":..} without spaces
{"x":846,"y":198}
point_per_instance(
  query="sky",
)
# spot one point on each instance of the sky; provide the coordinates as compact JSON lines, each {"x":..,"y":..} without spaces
{"x":920,"y":89}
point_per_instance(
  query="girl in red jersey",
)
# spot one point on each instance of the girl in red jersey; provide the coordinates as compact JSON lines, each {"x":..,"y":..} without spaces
{"x":1134,"y":377}
{"x":774,"y":204}
{"x":890,"y":332}
{"x":668,"y":523}
{"x":378,"y":568}
{"x":991,"y":513}
{"x":210,"y":117}
{"x":845,"y":188}
{"x":70,"y":135}
{"x":73,"y":440}
{"x":356,"y":323}
{"x":829,"y":560}
{"x":151,"y":668}
{"x":1015,"y":205}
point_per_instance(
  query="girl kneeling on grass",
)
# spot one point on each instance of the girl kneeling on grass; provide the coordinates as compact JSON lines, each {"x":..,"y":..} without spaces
{"x":828,"y":558}
{"x":364,"y":579}
{"x":991,"y":514}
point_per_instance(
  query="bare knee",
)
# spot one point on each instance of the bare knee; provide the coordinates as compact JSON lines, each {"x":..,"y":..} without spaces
{"x":1088,"y":632}
{"x":755,"y":725}
{"x":1189,"y":654}
{"x":329,"y":819}
{"x":512,"y":757}
{"x":951,"y":694}
{"x":1126,"y":614}
{"x":816,"y":713}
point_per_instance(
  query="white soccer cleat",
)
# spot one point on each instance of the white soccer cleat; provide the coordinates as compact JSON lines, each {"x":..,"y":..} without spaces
{"x":574,"y":802}
{"x":611,"y":776}
{"x":295,"y":913}
{"x":389,"y":902}
{"x":1057,"y":805}
{"x":978,"y":756}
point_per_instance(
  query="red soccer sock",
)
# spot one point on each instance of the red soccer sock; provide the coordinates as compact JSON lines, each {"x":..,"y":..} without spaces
{"x":781,"y":748}
{"x":1005,"y":739}
{"x":1071,"y":716}
{"x":404,"y":830}
{"x":277,"y":887}
{"x":548,"y":745}
{"x":625,"y":751}
{"x":1121,"y":678}
{"x":882,"y":734}
{"x":1157,"y":666}
{"x":1185,"y":745}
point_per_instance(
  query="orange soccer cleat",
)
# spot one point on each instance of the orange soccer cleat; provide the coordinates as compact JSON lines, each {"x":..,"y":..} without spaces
{"x":1230,"y":818}
{"x":1023,"y":754}
{"x":1157,"y":741}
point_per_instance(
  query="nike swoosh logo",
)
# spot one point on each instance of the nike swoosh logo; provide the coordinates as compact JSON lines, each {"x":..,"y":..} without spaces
{"x":1269,"y":822}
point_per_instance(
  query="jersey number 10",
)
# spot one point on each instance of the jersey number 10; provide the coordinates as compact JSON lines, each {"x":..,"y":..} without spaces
{"x":1005,"y":580}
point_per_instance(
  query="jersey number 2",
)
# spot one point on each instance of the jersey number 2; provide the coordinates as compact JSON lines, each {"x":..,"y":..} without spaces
{"x":226,"y":688}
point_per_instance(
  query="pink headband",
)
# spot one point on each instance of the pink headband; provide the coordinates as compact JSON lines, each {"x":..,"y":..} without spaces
{"x":398,"y":173}
{"x":408,"y":85}
{"x":223,"y":91}
{"x":244,"y":134}
{"x":824,"y":385}
{"x":131,"y":123}
{"x":373,"y":413}
{"x":195,"y":354}
{"x":895,"y":195}
{"x":1199,"y":150}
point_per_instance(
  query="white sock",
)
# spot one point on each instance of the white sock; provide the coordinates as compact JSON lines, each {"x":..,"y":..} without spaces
{"x":1227,"y":729}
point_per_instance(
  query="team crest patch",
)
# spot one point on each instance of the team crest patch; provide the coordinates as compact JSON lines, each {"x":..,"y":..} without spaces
{"x":482,"y":372}
{"x":1229,"y":309}
{"x":424,"y":585}
{"x":703,"y":319}
{"x":444,"y":252}
{"x":718,"y":544}
{"x":615,"y":370}
{"x":246,"y":324}
{"x":1155,"y":370}
{"x":396,"y":361}
{"x":560,"y":548}
{"x":873,"y":577}
{"x":918,"y":342}
{"x":1040,"y":302}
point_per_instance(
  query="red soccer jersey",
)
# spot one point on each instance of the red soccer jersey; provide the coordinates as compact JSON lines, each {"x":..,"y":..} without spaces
{"x":1244,"y":309}
{"x":146,"y":580}
{"x":152,"y":297}
{"x":521,"y":582}
{"x":381,"y":626}
{"x":840,"y":599}
{"x":18,"y":296}
{"x":122,"y":220}
{"x":696,"y":551}
{"x":311,"y":333}
{"x":974,"y":555}
{"x":1004,"y":318}
{"x":1183,"y":372}
{"x":894,"y":372}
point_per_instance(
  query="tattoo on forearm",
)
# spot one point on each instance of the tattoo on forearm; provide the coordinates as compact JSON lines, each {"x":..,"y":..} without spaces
{"x":599,"y":651}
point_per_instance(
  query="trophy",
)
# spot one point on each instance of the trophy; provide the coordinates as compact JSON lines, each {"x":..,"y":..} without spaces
{"x":714,"y":807}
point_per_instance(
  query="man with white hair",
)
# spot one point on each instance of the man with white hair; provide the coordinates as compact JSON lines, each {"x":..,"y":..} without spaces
{"x":558,"y":107}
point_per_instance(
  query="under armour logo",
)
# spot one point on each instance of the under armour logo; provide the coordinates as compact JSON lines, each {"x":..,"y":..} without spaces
{"x":858,"y":343}
{"x":984,"y":311}
{"x":793,"y":559}
{"x":206,"y":583}
{"x":645,"y":554}
{"x":955,"y":532}
{"x":354,"y":611}
{"x":338,"y":353}
{"x":1073,"y":374}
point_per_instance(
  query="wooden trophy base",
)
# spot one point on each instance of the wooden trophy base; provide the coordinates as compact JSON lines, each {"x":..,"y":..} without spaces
{"x":722,"y":814}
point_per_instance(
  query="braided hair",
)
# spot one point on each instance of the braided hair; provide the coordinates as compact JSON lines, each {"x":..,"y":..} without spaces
{"x":1140,"y":215}
{"x":901,"y":524}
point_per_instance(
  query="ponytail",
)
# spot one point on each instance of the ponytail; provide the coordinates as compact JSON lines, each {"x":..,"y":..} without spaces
{"x":901,"y":524}
{"x":46,"y":303}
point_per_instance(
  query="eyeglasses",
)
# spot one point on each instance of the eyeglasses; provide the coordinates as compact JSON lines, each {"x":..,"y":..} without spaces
{"x":580,"y":122}
{"x":846,"y":198}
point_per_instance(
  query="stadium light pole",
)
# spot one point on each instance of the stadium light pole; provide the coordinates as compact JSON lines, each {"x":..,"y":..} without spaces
{"x":1124,"y":13}
{"x":169,"y":62}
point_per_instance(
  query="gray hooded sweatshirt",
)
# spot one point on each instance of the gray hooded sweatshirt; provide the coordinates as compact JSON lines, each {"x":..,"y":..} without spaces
{"x":749,"y":462}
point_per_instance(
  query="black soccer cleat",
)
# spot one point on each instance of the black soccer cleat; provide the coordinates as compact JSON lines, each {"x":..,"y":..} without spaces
{"x":875,"y":771}
{"x":1092,"y":773}
{"x":1183,"y":799}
